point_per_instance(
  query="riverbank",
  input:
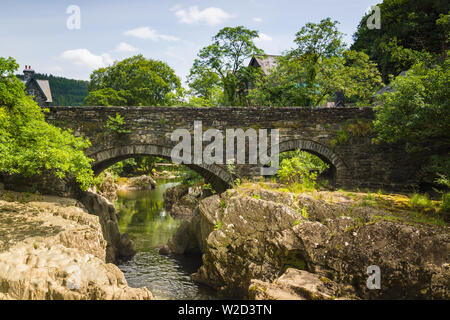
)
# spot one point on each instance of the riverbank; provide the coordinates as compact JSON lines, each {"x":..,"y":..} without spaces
{"x":52,"y":248}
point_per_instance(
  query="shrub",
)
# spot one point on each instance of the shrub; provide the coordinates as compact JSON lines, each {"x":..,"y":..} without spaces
{"x":117,"y":125}
{"x":421,"y":202}
{"x":300,"y":167}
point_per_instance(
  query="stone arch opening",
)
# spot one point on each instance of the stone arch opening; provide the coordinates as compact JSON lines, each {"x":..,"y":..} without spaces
{"x":219,"y":178}
{"x":337,"y":167}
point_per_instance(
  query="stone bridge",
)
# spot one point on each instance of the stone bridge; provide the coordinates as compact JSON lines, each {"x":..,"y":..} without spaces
{"x":356,"y":163}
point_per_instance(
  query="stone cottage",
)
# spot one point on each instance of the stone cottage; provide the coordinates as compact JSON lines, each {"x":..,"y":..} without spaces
{"x":39,"y":89}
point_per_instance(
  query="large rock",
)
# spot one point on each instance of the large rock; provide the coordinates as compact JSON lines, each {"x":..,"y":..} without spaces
{"x":108,"y":188}
{"x":141,"y":183}
{"x":52,"y":248}
{"x":119,"y":245}
{"x":180,"y":201}
{"x":294,"y":285}
{"x":259,"y":234}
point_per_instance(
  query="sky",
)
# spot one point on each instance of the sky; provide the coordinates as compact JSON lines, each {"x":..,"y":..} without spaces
{"x":36,"y":33}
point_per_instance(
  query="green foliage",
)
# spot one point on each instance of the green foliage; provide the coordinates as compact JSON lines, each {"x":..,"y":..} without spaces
{"x":445,"y":206}
{"x":360,"y":128}
{"x":29,"y":145}
{"x":117,"y":125}
{"x":221,"y":64}
{"x":418,"y":26}
{"x":105,"y":97}
{"x":418,"y":113}
{"x":311,"y":74}
{"x":65,"y":92}
{"x":300,"y":167}
{"x":321,"y":39}
{"x":304,"y":213}
{"x":135,"y":81}
{"x":421,"y":202}
{"x":218,"y":225}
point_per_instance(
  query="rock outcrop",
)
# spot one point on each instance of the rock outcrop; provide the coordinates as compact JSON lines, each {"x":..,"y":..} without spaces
{"x":118,"y":245}
{"x":108,"y":188}
{"x":258,"y":234}
{"x":52,"y":248}
{"x":141,"y":183}
{"x":180,"y":201}
{"x":294,"y":285}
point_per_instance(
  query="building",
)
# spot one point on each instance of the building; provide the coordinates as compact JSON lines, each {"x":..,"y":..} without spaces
{"x":39,"y":89}
{"x":266,"y":63}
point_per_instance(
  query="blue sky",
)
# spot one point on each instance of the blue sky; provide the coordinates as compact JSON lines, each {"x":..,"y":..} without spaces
{"x":35,"y":32}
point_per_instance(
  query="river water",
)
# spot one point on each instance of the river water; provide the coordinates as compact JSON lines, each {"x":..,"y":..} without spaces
{"x":142,"y":216}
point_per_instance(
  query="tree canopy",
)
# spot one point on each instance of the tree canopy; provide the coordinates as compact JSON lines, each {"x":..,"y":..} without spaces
{"x":419,"y":26}
{"x":28,"y":144}
{"x":135,"y":81}
{"x":313,"y":72}
{"x":222,"y":64}
{"x":417,"y":111}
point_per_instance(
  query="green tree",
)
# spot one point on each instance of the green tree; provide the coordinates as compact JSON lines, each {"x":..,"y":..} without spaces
{"x":222,"y":63}
{"x":29,"y":145}
{"x":313,"y":72}
{"x":409,"y":24}
{"x":417,"y":112}
{"x":135,"y":81}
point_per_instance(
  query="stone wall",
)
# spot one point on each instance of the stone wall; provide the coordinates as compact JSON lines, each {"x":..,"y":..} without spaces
{"x":356,"y":163}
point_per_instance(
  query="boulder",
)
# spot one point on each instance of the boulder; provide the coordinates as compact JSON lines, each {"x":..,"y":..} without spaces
{"x":141,"y":183}
{"x":294,"y":285}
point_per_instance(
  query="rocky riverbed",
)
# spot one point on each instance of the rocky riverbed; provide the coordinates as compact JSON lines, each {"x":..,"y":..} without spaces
{"x":262,"y":243}
{"x":52,"y":248}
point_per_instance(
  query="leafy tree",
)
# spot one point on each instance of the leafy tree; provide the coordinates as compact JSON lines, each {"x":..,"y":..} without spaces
{"x":29,"y":145}
{"x":135,"y":81}
{"x":417,"y":112}
{"x":410,"y":24}
{"x":222,"y":63}
{"x":105,"y":97}
{"x":321,"y":39}
{"x":312,"y":73}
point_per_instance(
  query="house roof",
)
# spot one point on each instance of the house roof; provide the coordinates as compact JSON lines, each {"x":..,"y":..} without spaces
{"x":266,"y":62}
{"x":44,"y":87}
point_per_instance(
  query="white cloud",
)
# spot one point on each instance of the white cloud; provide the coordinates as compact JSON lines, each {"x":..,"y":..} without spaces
{"x":257,"y":19}
{"x":263,"y":38}
{"x":147,"y":33}
{"x":125,"y":47}
{"x":83,"y":57}
{"x":211,"y":16}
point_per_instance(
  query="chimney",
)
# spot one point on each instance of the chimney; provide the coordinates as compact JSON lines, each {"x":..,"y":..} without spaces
{"x":28,"y":73}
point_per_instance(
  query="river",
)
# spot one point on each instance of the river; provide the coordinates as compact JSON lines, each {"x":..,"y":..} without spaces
{"x":142,"y":216}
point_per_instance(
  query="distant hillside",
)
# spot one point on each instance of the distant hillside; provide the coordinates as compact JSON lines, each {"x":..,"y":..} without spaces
{"x":65,"y":92}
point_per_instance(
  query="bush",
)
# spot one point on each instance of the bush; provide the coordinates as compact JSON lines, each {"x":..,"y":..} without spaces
{"x":445,"y":206}
{"x":300,"y":167}
{"x":421,"y":202}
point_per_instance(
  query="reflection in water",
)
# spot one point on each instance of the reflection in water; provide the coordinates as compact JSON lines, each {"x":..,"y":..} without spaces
{"x":142,"y":216}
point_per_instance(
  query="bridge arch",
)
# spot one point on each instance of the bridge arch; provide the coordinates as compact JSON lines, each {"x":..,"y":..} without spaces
{"x":337,"y":167}
{"x":219,"y":178}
